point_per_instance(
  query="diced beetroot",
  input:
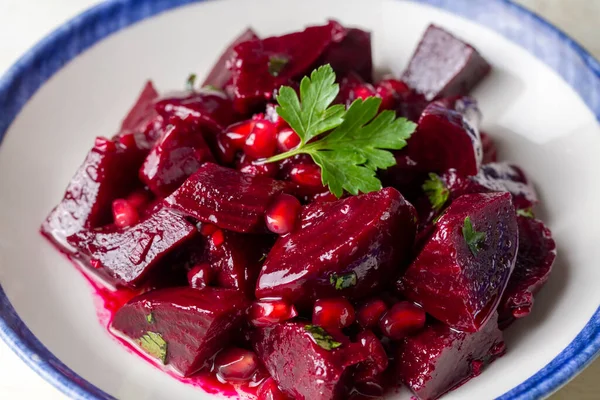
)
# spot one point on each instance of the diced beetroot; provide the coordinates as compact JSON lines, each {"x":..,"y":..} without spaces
{"x":259,"y":67}
{"x":352,"y":54}
{"x":537,"y":252}
{"x":347,"y":247}
{"x":304,"y":369}
{"x":108,"y":173}
{"x":142,"y":112}
{"x":459,"y":276}
{"x":220,"y":74}
{"x":130,"y":254}
{"x":177,"y":155}
{"x":439,"y":359}
{"x":226,"y":198}
{"x":208,"y":109}
{"x":236,"y":259}
{"x":444,"y":66}
{"x":490,"y":151}
{"x":182,"y":327}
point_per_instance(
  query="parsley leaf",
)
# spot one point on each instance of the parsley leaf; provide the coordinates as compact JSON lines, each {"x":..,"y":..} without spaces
{"x":343,"y":281}
{"x":436,"y":191}
{"x":526,"y":212}
{"x":154,"y":344}
{"x":473,"y":238}
{"x":150,"y":318}
{"x":321,"y":337}
{"x":276,"y":64}
{"x":357,"y":144}
{"x":190,"y":82}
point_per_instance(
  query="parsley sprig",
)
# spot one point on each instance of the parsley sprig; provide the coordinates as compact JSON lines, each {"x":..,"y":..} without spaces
{"x":436,"y":191}
{"x":349,"y":145}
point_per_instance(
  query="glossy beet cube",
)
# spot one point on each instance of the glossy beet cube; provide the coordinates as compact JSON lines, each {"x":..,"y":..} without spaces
{"x":237,"y":258}
{"x":304,"y":369}
{"x":209,"y":109}
{"x":142,"y":112}
{"x":259,"y":67}
{"x":461,"y":272}
{"x":130,"y":254}
{"x":108,"y":173}
{"x":490,"y":150}
{"x":439,"y":359}
{"x":347,"y":247}
{"x":182,"y":327}
{"x":443,"y":65}
{"x":177,"y":155}
{"x":537,"y":252}
{"x":226,"y":198}
{"x":220,"y":74}
{"x":352,"y":54}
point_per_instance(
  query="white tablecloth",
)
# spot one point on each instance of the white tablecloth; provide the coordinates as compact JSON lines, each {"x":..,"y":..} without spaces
{"x":24,"y":22}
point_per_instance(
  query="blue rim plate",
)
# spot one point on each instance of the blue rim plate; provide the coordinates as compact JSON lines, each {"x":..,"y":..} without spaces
{"x":561,"y":53}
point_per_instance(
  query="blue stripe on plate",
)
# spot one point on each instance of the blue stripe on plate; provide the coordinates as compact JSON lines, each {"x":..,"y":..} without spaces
{"x":577,"y":67}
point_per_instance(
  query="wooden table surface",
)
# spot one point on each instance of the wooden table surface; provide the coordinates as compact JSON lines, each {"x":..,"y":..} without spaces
{"x":27,"y":21}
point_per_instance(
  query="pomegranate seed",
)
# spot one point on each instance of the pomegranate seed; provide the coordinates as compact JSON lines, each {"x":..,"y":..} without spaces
{"x":139,"y":199}
{"x":262,"y":141}
{"x":368,"y":314}
{"x":249,"y":166}
{"x":333,"y":313}
{"x":200,"y":276}
{"x":372,"y":389}
{"x":95,"y":264}
{"x":208,"y":229}
{"x":238,"y":133}
{"x":374,"y":349}
{"x":403,"y":319}
{"x":105,"y":145}
{"x":287,"y":139}
{"x":265,"y":313}
{"x":124,"y":214}
{"x":476,"y":367}
{"x":217,"y":238}
{"x":225,"y":150}
{"x":282,"y":214}
{"x":258,"y":116}
{"x":235,"y":365}
{"x":364,"y":91}
{"x":307,"y":175}
{"x":269,"y":390}
{"x":323,"y":197}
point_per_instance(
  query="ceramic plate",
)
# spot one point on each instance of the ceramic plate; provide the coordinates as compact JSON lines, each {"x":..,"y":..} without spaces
{"x":541,"y":104}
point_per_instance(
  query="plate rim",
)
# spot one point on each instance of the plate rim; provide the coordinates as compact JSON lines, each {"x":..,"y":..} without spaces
{"x":42,"y":61}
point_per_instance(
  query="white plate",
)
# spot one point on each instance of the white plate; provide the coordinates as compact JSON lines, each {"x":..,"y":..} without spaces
{"x":538,"y":119}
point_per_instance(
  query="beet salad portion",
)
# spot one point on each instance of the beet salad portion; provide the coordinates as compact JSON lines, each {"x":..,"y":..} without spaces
{"x":293,"y":228}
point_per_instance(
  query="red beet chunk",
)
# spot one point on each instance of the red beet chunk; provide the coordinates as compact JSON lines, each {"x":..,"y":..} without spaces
{"x":348,"y":247}
{"x":303,"y":369}
{"x":209,"y":109}
{"x":490,"y":151}
{"x":182,"y":327}
{"x":130,"y":254}
{"x":236,"y":261}
{"x":142,"y":112}
{"x":226,"y":198}
{"x":261,"y":66}
{"x":220,"y":75}
{"x":108,"y":173}
{"x":459,"y":278}
{"x":537,"y":252}
{"x":177,"y":155}
{"x":439,"y":359}
{"x":443,"y":65}
{"x":352,"y":54}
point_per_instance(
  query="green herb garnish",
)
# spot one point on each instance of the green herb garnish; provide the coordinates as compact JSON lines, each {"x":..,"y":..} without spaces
{"x":154,"y":344}
{"x":190,"y":82}
{"x":276,"y":64}
{"x":358,"y":139}
{"x":473,"y":238}
{"x":321,"y":337}
{"x":150,"y":318}
{"x":526,"y":212}
{"x":343,"y":281}
{"x":436,"y":191}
